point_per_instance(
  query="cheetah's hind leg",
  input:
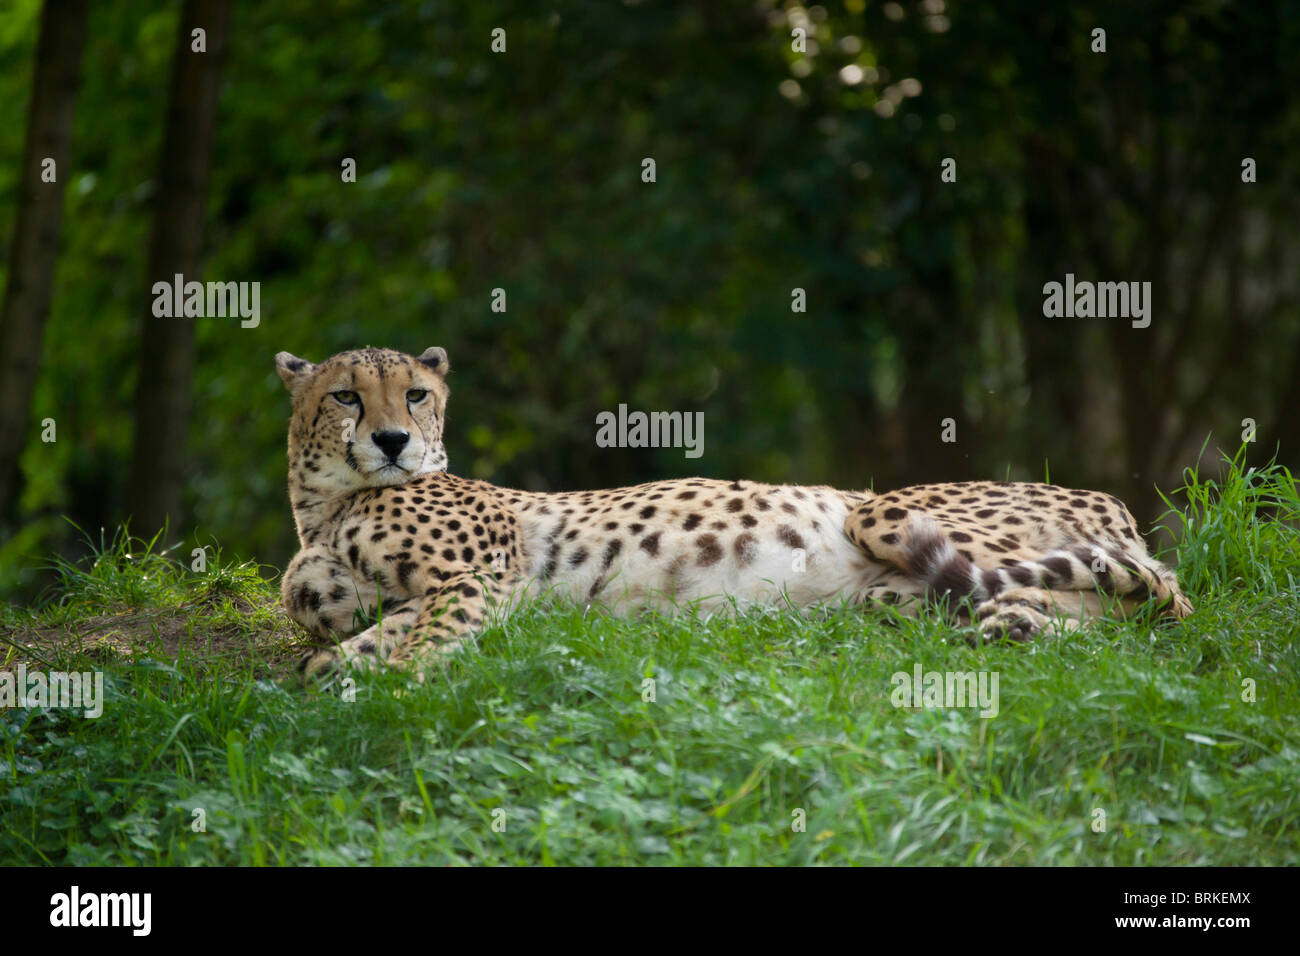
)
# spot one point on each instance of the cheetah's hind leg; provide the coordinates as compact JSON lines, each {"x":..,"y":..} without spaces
{"x":1021,"y":614}
{"x":910,"y":540}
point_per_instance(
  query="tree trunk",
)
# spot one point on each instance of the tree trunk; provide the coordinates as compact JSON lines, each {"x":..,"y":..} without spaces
{"x":934,"y":369}
{"x":166,"y":358}
{"x":1280,"y":435}
{"x":55,"y":81}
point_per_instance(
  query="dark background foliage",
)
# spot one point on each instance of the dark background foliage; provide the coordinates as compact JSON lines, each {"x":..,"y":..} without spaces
{"x":775,"y":170}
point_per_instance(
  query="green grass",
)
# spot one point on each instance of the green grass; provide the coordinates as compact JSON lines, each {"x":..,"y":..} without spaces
{"x":755,"y":718}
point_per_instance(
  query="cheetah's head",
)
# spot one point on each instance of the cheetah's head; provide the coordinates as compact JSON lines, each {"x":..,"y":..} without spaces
{"x":364,"y":419}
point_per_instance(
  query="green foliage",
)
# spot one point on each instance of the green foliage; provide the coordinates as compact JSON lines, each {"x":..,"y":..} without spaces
{"x":1240,"y":530}
{"x":754,"y":717}
{"x":521,"y":171}
{"x":137,"y":573}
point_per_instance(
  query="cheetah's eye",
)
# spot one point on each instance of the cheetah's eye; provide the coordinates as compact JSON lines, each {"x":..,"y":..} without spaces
{"x":346,"y":398}
{"x":416,"y":395}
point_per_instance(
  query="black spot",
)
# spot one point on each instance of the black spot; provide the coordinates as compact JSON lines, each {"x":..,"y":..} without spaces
{"x":710,"y":550}
{"x":1022,"y":575}
{"x":1058,"y":566}
{"x":746,"y":548}
{"x":404,"y":571}
{"x":308,"y":598}
{"x":992,"y":582}
{"x":953,"y":578}
{"x":1054,"y":570}
{"x":789,"y":536}
{"x":552,"y":556}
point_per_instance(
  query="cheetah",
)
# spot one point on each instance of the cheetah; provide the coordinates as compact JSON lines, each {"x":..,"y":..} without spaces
{"x":383,"y":524}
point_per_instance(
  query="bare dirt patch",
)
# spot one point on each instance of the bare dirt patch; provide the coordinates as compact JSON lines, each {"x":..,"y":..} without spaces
{"x":267,"y":641}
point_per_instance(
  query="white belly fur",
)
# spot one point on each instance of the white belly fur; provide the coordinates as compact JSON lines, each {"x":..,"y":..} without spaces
{"x":831,"y":568}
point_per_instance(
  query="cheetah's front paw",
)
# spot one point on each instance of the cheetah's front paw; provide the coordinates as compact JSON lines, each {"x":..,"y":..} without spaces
{"x":320,"y":665}
{"x":361,"y":652}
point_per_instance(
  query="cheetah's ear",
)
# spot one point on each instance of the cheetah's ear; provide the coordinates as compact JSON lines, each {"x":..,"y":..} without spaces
{"x":435,"y":358}
{"x":292,"y":369}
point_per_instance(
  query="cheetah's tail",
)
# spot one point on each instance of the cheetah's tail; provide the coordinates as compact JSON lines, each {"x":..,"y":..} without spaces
{"x":931,"y":556}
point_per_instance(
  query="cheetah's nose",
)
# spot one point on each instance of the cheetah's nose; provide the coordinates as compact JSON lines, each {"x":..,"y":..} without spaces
{"x":391,"y":443}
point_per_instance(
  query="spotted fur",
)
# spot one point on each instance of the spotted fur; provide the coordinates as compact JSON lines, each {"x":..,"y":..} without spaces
{"x":382,"y":524}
